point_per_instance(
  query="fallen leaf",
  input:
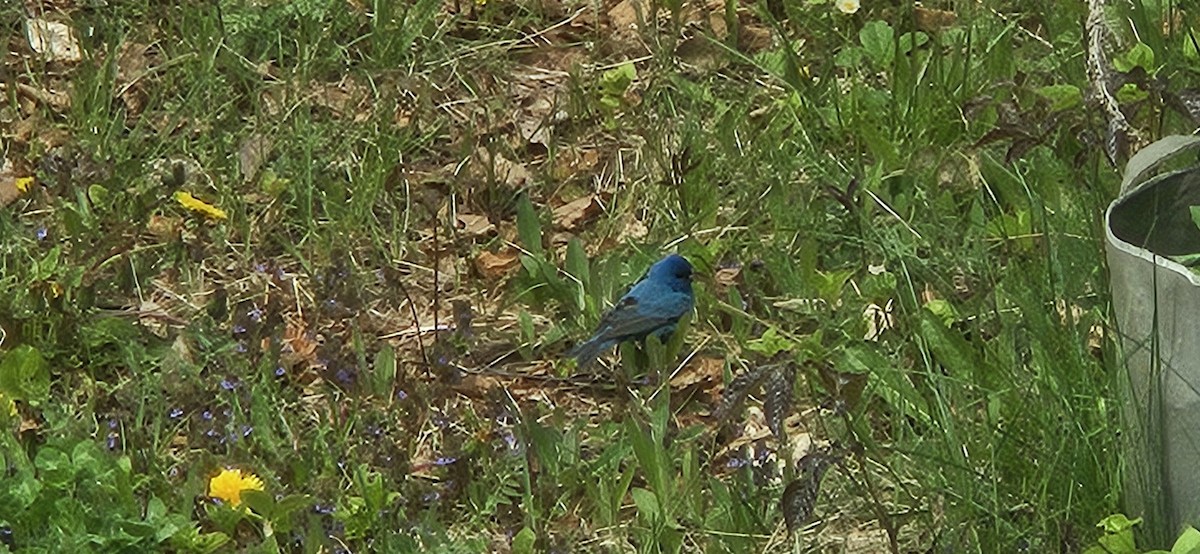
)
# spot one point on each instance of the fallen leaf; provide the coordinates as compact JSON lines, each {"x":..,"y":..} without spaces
{"x":495,"y":266}
{"x":12,"y":186}
{"x":55,"y":41}
{"x":931,"y":20}
{"x":133,"y":63}
{"x":575,"y":213}
{"x":728,"y":277}
{"x":474,"y":225}
{"x":878,"y":320}
{"x":510,"y":173}
{"x":252,"y":152}
{"x":754,"y":38}
{"x":699,"y":370}
{"x":164,"y":228}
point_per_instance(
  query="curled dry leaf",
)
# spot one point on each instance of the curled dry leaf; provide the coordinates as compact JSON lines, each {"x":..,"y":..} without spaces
{"x":54,"y":41}
{"x":574,"y":214}
{"x":474,"y":225}
{"x":932,"y":21}
{"x":878,"y":320}
{"x":727,"y":277}
{"x":496,"y":266}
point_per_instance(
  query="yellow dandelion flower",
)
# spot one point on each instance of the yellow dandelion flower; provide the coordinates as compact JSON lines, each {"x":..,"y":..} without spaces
{"x":190,"y":202}
{"x":229,"y":484}
{"x":847,"y":6}
{"x":24,"y":183}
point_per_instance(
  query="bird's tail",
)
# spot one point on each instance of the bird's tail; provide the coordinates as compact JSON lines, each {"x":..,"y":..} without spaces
{"x":587,"y":352}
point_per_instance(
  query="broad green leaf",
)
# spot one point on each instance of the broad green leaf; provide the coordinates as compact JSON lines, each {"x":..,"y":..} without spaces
{"x":646,"y":502}
{"x":25,"y":375}
{"x":1140,"y":55}
{"x":384,"y":375}
{"x":1118,"y":522}
{"x":529,"y":227}
{"x":1062,"y":97}
{"x":770,"y":343}
{"x":523,"y":542}
{"x":878,"y":40}
{"x":259,"y":502}
{"x":1188,"y":542}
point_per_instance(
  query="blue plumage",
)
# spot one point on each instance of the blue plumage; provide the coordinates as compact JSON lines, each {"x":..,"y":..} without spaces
{"x":651,"y":307}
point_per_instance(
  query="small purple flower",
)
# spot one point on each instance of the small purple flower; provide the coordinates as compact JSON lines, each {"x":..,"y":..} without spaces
{"x":345,"y":377}
{"x":401,"y":395}
{"x":735,"y":463}
{"x":228,"y":384}
{"x":239,"y":329}
{"x":112,"y":441}
{"x":211,"y":433}
{"x":255,"y":314}
{"x":511,"y":440}
{"x":444,"y":461}
{"x":206,"y":415}
{"x":246,"y":430}
{"x":260,"y":267}
{"x":41,"y":233}
{"x":240,"y":348}
{"x":431,"y":496}
{"x":175,"y":413}
{"x":112,"y":423}
{"x":279,"y":371}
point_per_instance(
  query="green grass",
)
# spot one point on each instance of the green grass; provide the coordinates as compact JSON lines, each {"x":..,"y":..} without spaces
{"x":852,"y":161}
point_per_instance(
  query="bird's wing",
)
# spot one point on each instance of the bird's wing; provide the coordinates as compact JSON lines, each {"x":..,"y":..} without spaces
{"x":626,"y":319}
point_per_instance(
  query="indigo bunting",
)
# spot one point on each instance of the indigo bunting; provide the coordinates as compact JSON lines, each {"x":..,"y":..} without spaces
{"x":651,"y":307}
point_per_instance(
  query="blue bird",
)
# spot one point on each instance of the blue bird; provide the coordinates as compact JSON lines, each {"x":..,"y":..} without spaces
{"x":651,"y":307}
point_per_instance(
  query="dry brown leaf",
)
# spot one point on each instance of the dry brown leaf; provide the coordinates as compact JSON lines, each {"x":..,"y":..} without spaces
{"x":476,"y":385}
{"x":12,"y":185}
{"x":574,"y":214}
{"x":505,"y":170}
{"x":931,"y":20}
{"x":252,"y":152}
{"x":727,"y":277}
{"x":495,"y":266}
{"x":58,"y":101}
{"x":55,"y":41}
{"x":474,"y":225}
{"x":164,"y":228}
{"x":699,"y":369}
{"x":754,"y":38}
{"x":133,"y":62}
{"x":716,"y":21}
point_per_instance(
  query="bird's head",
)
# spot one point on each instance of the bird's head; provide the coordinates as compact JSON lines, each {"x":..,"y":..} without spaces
{"x":673,"y":267}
